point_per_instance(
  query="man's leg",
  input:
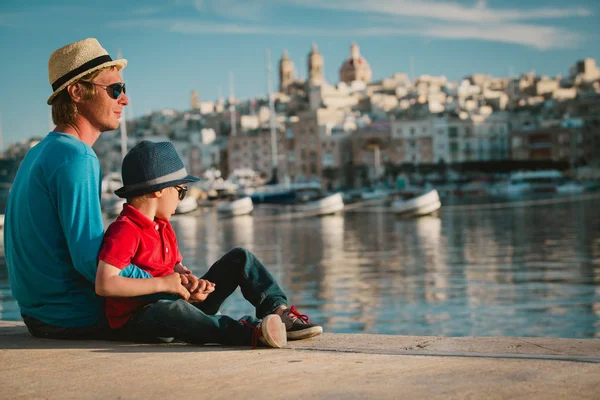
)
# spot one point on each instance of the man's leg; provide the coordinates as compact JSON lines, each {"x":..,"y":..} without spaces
{"x":43,"y":330}
{"x":183,"y":321}
{"x":240,"y":268}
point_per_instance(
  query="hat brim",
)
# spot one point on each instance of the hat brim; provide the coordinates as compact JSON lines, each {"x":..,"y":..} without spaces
{"x":126,"y":193}
{"x":120,"y":64}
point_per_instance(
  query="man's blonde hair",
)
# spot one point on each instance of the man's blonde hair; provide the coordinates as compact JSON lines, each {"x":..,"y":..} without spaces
{"x":64,"y":109}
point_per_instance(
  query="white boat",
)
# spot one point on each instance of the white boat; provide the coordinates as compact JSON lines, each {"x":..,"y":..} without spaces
{"x":375,"y":194}
{"x":188,"y":204}
{"x":424,"y":204}
{"x":512,"y":187}
{"x":236,"y":207}
{"x":1,"y":221}
{"x":327,"y":205}
{"x":570,"y":188}
{"x":524,"y":182}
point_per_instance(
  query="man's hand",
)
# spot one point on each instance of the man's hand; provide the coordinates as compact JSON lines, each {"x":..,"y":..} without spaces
{"x":173,"y":283}
{"x":204,"y":289}
{"x":191,"y":282}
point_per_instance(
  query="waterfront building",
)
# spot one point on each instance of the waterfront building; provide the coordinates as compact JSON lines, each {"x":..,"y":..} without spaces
{"x":372,"y":149}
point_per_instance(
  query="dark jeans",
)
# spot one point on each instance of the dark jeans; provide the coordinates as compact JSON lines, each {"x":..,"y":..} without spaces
{"x":43,"y":330}
{"x":197,"y":322}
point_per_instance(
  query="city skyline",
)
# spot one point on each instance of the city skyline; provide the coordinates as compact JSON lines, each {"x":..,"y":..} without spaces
{"x":174,"y":47}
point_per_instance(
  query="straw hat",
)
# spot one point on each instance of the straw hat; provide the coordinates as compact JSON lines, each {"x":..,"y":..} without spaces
{"x":73,"y":61}
{"x":149,"y":167}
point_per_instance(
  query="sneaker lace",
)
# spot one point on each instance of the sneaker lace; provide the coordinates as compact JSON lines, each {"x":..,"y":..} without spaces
{"x":294,"y":314}
{"x":256,"y":333}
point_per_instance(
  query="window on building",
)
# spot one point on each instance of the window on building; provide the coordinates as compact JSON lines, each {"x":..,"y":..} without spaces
{"x":291,"y":156}
{"x":440,"y":131}
{"x":517,"y":141}
{"x":412,"y":130}
{"x":328,"y":159}
{"x":453,"y":147}
{"x":424,"y":129}
{"x":289,"y":133}
{"x":453,"y":132}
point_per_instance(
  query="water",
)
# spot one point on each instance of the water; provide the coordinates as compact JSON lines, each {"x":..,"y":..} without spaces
{"x":529,"y":271}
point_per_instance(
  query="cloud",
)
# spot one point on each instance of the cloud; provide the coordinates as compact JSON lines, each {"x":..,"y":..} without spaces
{"x":245,"y":10}
{"x":147,"y":10}
{"x":421,"y":18}
{"x":539,"y":37}
{"x":443,"y":11}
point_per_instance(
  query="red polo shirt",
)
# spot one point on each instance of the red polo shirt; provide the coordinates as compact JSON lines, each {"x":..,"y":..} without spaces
{"x":134,"y":239}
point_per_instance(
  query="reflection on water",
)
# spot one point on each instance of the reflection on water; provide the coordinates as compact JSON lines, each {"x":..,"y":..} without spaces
{"x":531,"y":271}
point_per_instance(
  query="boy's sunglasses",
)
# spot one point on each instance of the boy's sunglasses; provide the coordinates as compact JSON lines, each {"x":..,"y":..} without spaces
{"x":114,"y":90}
{"x":181,"y":191}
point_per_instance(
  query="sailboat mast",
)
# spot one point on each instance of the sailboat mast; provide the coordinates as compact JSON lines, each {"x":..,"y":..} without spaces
{"x":123,"y":122}
{"x":231,"y":106}
{"x":272,"y":117}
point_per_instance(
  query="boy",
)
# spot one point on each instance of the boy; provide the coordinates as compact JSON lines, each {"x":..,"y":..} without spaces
{"x":154,"y":177}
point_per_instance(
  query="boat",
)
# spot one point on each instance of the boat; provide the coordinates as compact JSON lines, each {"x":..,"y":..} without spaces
{"x":511,"y":187}
{"x":272,"y":194}
{"x":289,"y":193}
{"x":425,"y":204}
{"x":1,"y":221}
{"x":570,"y":188}
{"x":329,"y":204}
{"x":188,"y":204}
{"x":236,"y":207}
{"x":525,"y":182}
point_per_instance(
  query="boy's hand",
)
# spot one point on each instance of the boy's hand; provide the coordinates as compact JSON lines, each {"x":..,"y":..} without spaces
{"x":182,"y":269}
{"x":204,"y":289}
{"x":172,"y":283}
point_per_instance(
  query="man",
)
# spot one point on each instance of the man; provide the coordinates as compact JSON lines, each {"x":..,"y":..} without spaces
{"x":53,"y":224}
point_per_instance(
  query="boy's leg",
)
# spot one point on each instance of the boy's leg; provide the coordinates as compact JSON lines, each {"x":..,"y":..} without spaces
{"x":241,"y":268}
{"x":183,"y":321}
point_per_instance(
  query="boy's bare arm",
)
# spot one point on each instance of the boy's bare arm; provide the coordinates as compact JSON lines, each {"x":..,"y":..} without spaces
{"x":110,"y":284}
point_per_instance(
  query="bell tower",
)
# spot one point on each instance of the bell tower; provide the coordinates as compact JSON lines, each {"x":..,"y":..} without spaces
{"x":286,"y":72}
{"x":315,"y":67}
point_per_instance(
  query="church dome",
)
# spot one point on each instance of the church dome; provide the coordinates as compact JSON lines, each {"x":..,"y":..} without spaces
{"x":355,"y":68}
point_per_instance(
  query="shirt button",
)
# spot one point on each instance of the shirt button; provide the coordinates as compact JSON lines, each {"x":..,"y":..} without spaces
{"x":167,"y":249}
{"x":156,"y":227}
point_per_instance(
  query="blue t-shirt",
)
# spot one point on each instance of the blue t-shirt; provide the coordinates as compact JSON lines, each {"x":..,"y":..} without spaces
{"x":53,"y":231}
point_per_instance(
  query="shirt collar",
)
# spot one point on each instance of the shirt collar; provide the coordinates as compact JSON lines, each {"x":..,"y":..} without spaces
{"x":136,"y":217}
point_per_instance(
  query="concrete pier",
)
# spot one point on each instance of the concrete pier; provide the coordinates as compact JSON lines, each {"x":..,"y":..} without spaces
{"x":329,"y":366}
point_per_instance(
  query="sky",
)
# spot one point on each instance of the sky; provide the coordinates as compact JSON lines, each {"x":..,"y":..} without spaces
{"x":176,"y":46}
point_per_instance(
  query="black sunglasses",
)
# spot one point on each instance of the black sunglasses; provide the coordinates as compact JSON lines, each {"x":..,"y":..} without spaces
{"x":181,"y":191}
{"x":114,"y":90}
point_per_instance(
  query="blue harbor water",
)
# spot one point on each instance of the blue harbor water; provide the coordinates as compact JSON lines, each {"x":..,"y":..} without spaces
{"x":523,"y":271}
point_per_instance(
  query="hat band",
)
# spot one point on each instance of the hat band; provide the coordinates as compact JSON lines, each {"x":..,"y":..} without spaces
{"x":88,"y":65}
{"x":180,"y":174}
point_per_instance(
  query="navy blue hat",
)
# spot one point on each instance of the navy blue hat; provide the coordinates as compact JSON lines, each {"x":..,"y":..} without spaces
{"x":149,"y":167}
